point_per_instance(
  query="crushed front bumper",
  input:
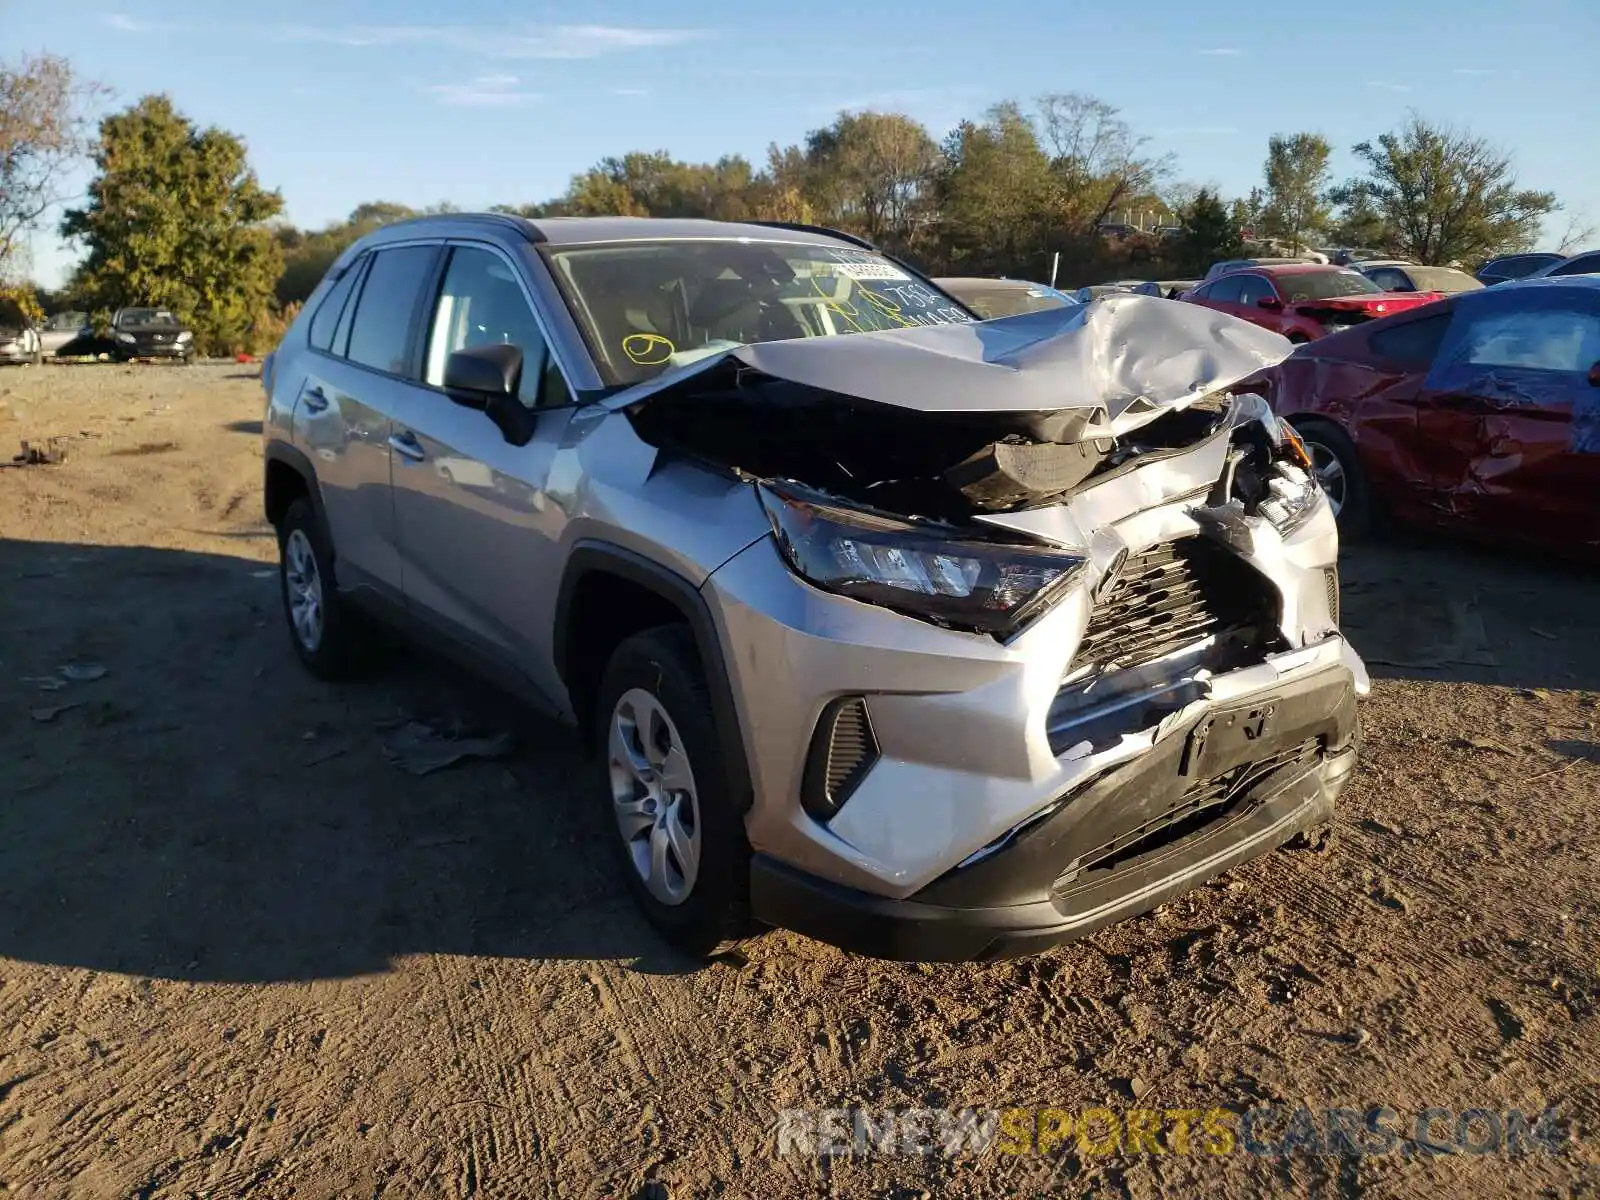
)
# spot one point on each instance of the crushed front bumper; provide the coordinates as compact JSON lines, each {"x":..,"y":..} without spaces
{"x":1226,"y":786}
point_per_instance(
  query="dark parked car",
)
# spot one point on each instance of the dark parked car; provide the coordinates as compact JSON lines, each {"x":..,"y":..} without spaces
{"x":1481,"y":411}
{"x":991,"y":298}
{"x":1516,"y":266}
{"x":1587,"y":263}
{"x":150,"y":333}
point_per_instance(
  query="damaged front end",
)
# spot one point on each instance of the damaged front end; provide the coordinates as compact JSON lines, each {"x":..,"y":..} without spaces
{"x":968,"y":475}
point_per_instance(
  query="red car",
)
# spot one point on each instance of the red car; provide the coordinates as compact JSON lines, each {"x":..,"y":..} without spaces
{"x":1481,"y":412}
{"x":1303,"y":301}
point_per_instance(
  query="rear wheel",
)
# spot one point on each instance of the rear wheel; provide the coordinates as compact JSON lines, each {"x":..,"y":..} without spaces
{"x":328,"y":635}
{"x":1337,"y":466}
{"x":680,"y":842}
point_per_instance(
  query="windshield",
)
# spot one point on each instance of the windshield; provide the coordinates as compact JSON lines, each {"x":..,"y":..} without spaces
{"x":146,"y":318}
{"x":647,"y":306}
{"x":1324,"y":285}
{"x":1442,"y":279}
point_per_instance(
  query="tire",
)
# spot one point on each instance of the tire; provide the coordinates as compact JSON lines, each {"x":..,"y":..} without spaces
{"x":653,"y":713}
{"x":1334,"y":456}
{"x":335,"y":644}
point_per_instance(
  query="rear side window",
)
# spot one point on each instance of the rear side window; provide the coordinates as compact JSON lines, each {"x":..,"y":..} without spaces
{"x":328,"y":313}
{"x":380,"y":334}
{"x":1226,"y":290}
{"x":1413,"y":344}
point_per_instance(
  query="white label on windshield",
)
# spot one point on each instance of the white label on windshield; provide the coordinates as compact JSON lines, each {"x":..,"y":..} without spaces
{"x":868,"y":270}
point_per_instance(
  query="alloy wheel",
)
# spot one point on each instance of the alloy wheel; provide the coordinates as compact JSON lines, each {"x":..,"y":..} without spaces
{"x":653,"y":796}
{"x":303,"y":581}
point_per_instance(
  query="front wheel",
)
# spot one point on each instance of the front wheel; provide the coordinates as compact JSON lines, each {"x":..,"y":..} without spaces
{"x":680,"y":843}
{"x":1337,"y":466}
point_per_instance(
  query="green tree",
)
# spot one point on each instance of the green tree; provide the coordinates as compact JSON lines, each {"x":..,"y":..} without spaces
{"x":1097,"y":160}
{"x":1444,"y":195}
{"x":1210,"y":233}
{"x":868,"y":172}
{"x":1297,"y":178}
{"x":998,"y":194}
{"x":43,"y":132}
{"x":175,"y":217}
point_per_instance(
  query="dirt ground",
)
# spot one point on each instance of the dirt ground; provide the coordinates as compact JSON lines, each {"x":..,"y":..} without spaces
{"x":242,"y":953}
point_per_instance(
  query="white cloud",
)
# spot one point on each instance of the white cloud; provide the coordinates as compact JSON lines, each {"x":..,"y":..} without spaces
{"x":486,"y":91}
{"x":555,"y":41}
{"x":125,"y":23}
{"x":1384,"y":85}
{"x":630,"y":91}
{"x":1221,"y":52}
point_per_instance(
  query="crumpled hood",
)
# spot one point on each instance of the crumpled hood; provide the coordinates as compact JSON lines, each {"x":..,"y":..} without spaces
{"x":1120,"y":361}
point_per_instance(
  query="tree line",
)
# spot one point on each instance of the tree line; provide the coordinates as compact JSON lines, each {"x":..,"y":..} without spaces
{"x":175,"y":215}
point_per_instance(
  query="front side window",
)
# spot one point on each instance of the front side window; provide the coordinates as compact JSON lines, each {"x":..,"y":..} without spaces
{"x":648,"y":306}
{"x":147,"y":318}
{"x":380,"y":333}
{"x":482,"y":304}
{"x":1253,"y":289}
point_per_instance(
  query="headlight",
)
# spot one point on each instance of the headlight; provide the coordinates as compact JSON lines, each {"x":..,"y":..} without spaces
{"x":125,"y":337}
{"x":932,"y":572}
{"x":1269,"y":473}
{"x":186,"y":336}
{"x":1292,"y":496}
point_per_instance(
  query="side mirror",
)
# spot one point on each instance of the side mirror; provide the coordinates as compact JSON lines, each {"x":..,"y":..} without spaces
{"x":475,"y":377}
{"x":1270,"y":303}
{"x":1594,"y":375}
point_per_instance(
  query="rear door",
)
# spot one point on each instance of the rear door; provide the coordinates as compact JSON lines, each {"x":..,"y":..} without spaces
{"x":1512,"y":419}
{"x":364,"y":342}
{"x":477,"y":533}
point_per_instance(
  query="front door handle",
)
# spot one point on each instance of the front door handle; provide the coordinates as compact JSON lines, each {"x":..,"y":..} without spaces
{"x":406,"y":445}
{"x":316,"y":400}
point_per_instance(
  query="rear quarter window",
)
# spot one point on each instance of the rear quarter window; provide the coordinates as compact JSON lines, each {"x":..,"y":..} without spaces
{"x":326,"y":319}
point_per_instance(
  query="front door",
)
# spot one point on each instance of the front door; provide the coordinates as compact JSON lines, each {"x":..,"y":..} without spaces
{"x":477,"y":533}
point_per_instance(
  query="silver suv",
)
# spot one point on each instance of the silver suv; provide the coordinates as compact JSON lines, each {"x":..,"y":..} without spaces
{"x":929,"y":637}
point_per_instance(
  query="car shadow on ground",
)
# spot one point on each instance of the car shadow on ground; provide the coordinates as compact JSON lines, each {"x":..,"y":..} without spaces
{"x":251,"y":427}
{"x":1434,"y":610}
{"x":205,"y":810}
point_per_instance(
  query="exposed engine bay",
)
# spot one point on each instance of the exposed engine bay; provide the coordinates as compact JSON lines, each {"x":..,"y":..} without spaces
{"x":942,"y":467}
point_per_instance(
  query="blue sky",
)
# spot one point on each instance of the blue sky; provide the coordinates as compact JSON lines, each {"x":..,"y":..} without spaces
{"x":486,"y":101}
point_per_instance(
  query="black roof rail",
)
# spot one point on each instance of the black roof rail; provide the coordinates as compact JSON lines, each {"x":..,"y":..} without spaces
{"x":802,"y":227}
{"x":521,"y":224}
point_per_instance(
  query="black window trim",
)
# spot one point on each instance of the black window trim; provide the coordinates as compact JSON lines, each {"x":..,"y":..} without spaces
{"x":412,"y":353}
{"x":335,"y":279}
{"x":442,"y":267}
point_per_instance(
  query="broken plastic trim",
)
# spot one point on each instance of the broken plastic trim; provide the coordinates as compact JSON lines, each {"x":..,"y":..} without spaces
{"x":992,"y":584}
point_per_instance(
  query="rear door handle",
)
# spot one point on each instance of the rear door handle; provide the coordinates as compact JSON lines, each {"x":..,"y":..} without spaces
{"x":316,"y":400}
{"x":406,"y":445}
